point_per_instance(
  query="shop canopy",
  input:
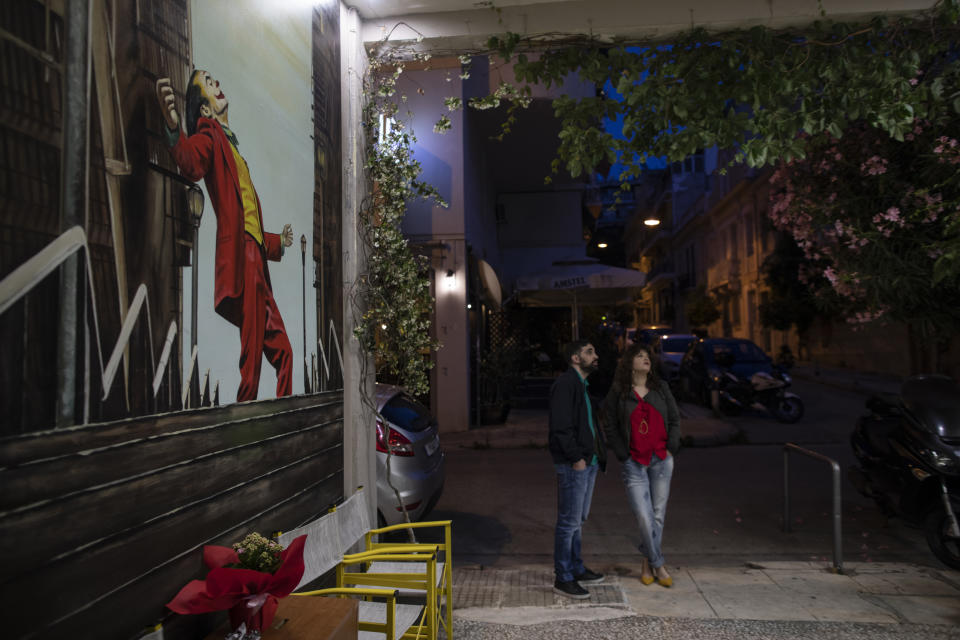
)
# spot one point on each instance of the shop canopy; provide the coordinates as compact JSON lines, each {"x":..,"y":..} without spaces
{"x":579,"y":282}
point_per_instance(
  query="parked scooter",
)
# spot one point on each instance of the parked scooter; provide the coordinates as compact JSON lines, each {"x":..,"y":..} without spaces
{"x":908,"y":453}
{"x":762,"y":390}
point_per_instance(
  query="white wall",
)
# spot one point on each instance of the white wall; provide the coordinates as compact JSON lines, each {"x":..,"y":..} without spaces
{"x":261,"y":52}
{"x":440,"y":155}
{"x":442,"y":162}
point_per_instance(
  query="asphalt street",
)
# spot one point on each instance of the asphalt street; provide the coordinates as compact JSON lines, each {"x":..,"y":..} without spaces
{"x":725,"y":500}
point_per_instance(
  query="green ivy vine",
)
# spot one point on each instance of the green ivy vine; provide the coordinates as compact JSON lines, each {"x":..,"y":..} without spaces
{"x":751,"y":89}
{"x":394,"y":326}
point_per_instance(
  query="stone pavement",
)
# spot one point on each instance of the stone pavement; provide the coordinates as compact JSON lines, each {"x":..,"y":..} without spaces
{"x":868,"y":383}
{"x":710,"y":601}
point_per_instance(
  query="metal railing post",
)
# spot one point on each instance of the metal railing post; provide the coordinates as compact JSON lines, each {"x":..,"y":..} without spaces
{"x":786,"y":490}
{"x":837,"y":498}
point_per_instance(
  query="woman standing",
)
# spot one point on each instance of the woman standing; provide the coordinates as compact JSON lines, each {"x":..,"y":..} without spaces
{"x":642,"y":423}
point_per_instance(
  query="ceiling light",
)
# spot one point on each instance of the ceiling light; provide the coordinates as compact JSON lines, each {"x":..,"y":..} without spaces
{"x":601,"y":245}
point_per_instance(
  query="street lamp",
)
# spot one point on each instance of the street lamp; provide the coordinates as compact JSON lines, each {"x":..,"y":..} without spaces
{"x":651,"y":220}
{"x":195,"y":205}
{"x":303,"y":306}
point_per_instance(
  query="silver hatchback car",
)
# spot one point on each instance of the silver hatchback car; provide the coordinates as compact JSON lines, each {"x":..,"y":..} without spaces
{"x":417,"y":460}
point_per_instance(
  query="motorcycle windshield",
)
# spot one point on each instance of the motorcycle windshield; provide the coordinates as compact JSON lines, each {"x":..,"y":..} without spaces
{"x":935,"y":401}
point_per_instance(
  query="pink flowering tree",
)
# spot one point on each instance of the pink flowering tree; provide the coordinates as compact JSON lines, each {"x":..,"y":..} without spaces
{"x":878,"y":220}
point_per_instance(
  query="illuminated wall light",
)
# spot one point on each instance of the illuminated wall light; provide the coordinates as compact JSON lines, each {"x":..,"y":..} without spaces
{"x":601,"y":245}
{"x":386,"y":126}
{"x":383,"y":326}
{"x":651,"y":221}
{"x":450,"y":281}
{"x":469,"y":306}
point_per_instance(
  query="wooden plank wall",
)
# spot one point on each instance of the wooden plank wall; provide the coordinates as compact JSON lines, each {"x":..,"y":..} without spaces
{"x":108,"y":520}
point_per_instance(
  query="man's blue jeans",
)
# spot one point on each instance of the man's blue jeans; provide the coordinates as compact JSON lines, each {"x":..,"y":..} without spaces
{"x":648,"y":488}
{"x":574,"y":492}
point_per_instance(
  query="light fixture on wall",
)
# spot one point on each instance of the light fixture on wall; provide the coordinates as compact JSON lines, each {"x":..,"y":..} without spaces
{"x":386,"y":126}
{"x":601,"y":245}
{"x":651,"y":220}
{"x":450,"y":281}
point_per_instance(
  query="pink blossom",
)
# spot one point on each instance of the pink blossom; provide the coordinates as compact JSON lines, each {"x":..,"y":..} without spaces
{"x":914,"y":82}
{"x":874,"y":166}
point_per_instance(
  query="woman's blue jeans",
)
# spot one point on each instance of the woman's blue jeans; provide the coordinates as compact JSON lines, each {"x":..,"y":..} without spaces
{"x":648,"y":488}
{"x":574,"y":493}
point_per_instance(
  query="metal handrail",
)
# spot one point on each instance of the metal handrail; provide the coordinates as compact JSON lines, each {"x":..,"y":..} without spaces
{"x":835,"y":466}
{"x":24,"y":278}
{"x":32,"y":272}
{"x":164,"y":357}
{"x":139,"y":302}
{"x":186,"y":384}
{"x":326,"y":359}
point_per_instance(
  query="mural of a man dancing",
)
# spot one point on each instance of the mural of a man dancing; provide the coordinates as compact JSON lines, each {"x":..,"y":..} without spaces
{"x":242,"y":290}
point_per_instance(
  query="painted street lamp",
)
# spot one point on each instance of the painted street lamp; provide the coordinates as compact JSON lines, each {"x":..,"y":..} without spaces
{"x":303,"y":306}
{"x":195,"y":206}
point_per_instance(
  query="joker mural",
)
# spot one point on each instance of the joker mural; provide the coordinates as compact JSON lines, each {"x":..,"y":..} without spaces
{"x":242,"y":291}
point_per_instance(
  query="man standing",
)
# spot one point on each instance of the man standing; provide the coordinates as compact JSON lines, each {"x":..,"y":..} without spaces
{"x":578,"y":452}
{"x":242,"y":291}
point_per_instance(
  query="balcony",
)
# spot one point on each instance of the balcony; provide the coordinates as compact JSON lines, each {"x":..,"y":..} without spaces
{"x":726,"y":272}
{"x":661,"y":272}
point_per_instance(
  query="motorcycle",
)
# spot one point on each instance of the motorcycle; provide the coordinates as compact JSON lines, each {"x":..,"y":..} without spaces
{"x":908,"y":459}
{"x":763,"y":390}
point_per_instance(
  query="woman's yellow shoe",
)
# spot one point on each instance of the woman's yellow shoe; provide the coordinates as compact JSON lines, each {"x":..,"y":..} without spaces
{"x":646,"y":576}
{"x":663,"y":578}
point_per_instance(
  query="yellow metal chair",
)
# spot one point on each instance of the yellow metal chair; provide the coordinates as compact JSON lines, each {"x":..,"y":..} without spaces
{"x":379,"y":612}
{"x":407,"y":577}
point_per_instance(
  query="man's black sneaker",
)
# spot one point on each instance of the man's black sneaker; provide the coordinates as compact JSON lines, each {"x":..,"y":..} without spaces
{"x":571,"y":590}
{"x":589,"y":577}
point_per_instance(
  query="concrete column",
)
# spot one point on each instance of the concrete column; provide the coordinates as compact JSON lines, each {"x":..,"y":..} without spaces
{"x":359,"y":428}
{"x":452,"y":378}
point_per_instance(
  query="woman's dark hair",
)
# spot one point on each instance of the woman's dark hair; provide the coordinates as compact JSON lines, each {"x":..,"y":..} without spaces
{"x":195,"y":100}
{"x":623,"y":377}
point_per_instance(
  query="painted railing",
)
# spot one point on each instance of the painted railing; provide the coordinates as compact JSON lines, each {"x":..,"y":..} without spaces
{"x":31,"y":273}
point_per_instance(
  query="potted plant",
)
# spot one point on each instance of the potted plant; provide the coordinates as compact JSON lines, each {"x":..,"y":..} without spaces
{"x":499,"y":374}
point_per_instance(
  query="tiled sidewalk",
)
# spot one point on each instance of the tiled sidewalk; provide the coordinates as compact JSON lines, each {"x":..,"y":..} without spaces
{"x":883,"y":593}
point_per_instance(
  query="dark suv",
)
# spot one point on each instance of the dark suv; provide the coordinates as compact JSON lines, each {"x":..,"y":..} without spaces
{"x":700,"y":370}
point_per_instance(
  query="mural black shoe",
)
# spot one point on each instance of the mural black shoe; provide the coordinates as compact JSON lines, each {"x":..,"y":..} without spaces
{"x":589,"y":577}
{"x":570,"y":589}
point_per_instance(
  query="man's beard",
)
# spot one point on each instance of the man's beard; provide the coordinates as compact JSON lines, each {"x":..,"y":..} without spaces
{"x":591,"y":368}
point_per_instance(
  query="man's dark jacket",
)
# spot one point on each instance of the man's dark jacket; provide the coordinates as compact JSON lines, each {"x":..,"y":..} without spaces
{"x":570,"y":435}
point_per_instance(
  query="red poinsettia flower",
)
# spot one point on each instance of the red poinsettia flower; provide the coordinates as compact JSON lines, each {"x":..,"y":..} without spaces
{"x":251,"y":596}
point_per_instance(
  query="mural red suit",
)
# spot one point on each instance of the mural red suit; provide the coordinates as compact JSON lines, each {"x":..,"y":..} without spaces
{"x":242,"y":291}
